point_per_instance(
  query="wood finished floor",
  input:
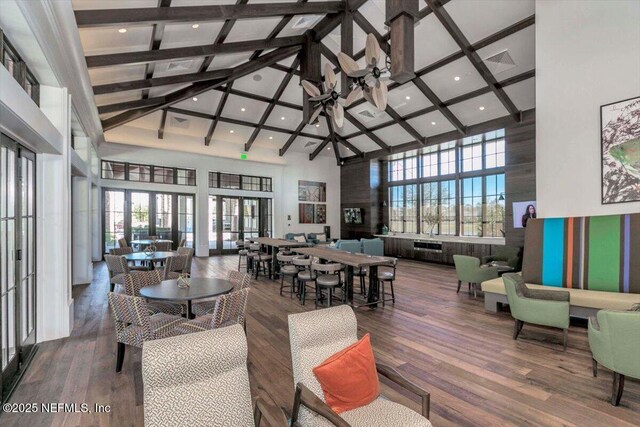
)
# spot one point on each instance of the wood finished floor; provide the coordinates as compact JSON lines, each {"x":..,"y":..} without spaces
{"x":477,"y":375}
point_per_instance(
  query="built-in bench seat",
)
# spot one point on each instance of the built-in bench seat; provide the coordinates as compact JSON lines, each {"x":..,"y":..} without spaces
{"x":584,"y":302}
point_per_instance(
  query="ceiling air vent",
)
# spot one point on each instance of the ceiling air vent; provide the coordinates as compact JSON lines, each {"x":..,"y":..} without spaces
{"x":180,"y":122}
{"x":310,"y":144}
{"x":179,"y":65}
{"x":368,"y":113}
{"x":500,"y":62}
{"x":306,"y":21}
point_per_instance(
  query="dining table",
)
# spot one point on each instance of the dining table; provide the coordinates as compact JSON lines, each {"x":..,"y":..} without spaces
{"x":351,"y":261}
{"x":199,"y":288}
{"x":273,"y":247}
{"x":142,"y":243}
{"x":151,"y":258}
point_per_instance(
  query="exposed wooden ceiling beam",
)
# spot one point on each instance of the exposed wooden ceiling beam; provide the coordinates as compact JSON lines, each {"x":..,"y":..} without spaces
{"x":129,"y":105}
{"x":349,"y":145}
{"x":334,"y":141}
{"x":180,"y":53}
{"x":464,"y":44}
{"x":262,"y":98}
{"x":403,"y":123}
{"x":346,"y":46}
{"x":221,"y":37}
{"x":214,"y":123}
{"x":163,"y":122}
{"x":319,"y":148}
{"x":156,"y":40}
{"x":145,"y":15}
{"x":284,"y":69}
{"x":433,"y":98}
{"x":292,"y":138}
{"x":265,"y":116}
{"x":198,"y":88}
{"x":367,"y":132}
{"x":162,"y":81}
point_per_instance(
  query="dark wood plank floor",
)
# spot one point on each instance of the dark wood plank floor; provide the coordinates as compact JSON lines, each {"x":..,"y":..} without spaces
{"x":445,"y":342}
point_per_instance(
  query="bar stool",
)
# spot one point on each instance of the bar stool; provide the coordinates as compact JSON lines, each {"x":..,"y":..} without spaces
{"x":262,"y":260}
{"x":387,"y":275}
{"x":242,"y":254}
{"x":305,"y":275}
{"x":328,"y":277}
{"x":287,"y":269}
{"x":252,"y":257}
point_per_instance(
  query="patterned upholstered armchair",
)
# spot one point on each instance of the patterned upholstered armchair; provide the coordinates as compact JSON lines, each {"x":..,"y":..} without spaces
{"x":163,"y":246}
{"x":123,"y":243}
{"x":239,"y":280}
{"x":189,"y":253}
{"x":202,"y":379}
{"x":229,"y":310}
{"x":124,"y":251}
{"x":317,"y":335}
{"x":175,"y":266}
{"x":134,"y":282}
{"x":118,"y":267}
{"x":135,"y":326}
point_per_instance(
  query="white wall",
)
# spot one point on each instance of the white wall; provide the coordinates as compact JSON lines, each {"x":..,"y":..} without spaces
{"x":587,"y":55}
{"x":285,"y":183}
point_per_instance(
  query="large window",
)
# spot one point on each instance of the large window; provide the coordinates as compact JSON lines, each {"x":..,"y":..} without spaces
{"x":147,"y":173}
{"x":239,"y":182}
{"x":460,"y":190}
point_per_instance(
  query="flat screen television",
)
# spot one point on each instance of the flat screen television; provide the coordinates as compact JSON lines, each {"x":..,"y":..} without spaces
{"x":352,"y":215}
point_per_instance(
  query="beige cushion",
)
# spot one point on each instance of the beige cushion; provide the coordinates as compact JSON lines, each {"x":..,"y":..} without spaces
{"x":321,"y":238}
{"x":579,"y":297}
{"x":300,"y":239}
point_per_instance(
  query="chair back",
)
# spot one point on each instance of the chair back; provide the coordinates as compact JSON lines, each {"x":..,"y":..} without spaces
{"x":197,"y":379}
{"x":513,"y":284}
{"x":116,"y":264}
{"x":283,"y":258}
{"x":466,"y":266}
{"x":230,"y":309}
{"x":373,"y":247}
{"x":121,"y":251}
{"x":302,"y":262}
{"x":163,"y":246}
{"x":176,"y":263}
{"x":123,"y":243}
{"x":130,"y":311}
{"x":352,"y":246}
{"x":328,"y":268}
{"x":189,"y":253}
{"x":621,"y":330}
{"x":240,"y":280}
{"x":392,"y":268}
{"x":134,"y":282}
{"x":182,"y":243}
{"x":315,"y":336}
{"x":254,"y":247}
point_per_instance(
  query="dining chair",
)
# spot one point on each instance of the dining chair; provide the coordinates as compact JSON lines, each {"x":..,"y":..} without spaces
{"x":306,"y":276}
{"x":286,"y":267}
{"x":317,"y":335}
{"x":134,"y":282}
{"x":134,"y":325}
{"x":189,"y":253}
{"x":229,"y":310}
{"x":163,"y":246}
{"x":118,"y":267}
{"x":209,"y":386}
{"x":125,"y":251}
{"x":468,"y":270}
{"x":387,"y":274}
{"x":328,"y":278}
{"x":239,"y":280}
{"x":123,"y":243}
{"x":174,"y":267}
{"x":252,"y":256}
{"x":183,"y":242}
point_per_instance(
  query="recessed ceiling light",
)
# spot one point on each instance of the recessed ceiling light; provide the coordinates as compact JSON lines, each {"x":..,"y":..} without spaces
{"x":456,"y":78}
{"x":231,"y":131}
{"x":317,"y":125}
{"x":481,"y":108}
{"x":328,"y":148}
{"x":407,"y":97}
{"x":242,"y":109}
{"x":122,"y":30}
{"x":270,"y":137}
{"x":194,"y":98}
{"x":195,"y":26}
{"x":433,"y":123}
{"x":282,"y":118}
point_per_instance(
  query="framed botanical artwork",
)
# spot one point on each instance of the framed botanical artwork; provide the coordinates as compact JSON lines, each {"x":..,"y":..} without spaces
{"x":312,"y":191}
{"x":320,"y":214}
{"x":305,"y":213}
{"x":620,"y":145}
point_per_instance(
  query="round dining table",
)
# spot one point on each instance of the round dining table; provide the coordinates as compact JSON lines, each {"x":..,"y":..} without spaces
{"x":148,"y":242}
{"x":200,"y":287}
{"x":151,"y":257}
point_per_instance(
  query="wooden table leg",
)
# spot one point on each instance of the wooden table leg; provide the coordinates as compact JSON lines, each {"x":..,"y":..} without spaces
{"x":348,"y":278}
{"x":372,"y":296}
{"x":189,"y":312}
{"x":275,"y":270}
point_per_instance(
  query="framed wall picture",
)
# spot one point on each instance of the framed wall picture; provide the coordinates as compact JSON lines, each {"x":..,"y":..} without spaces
{"x":312,"y":191}
{"x":305,"y":213}
{"x":620,"y":145}
{"x":320,"y":214}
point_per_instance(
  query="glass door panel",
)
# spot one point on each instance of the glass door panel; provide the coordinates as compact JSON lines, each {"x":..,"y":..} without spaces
{"x":212,"y":223}
{"x":8,"y":254}
{"x":27,"y":255}
{"x":163,"y":210}
{"x":113,"y":218}
{"x":230,"y":222}
{"x":185,"y":220}
{"x":251,"y":218}
{"x":139,"y":206}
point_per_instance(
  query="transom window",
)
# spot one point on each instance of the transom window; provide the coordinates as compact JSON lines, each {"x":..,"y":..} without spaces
{"x":123,"y":171}
{"x":240,"y":182}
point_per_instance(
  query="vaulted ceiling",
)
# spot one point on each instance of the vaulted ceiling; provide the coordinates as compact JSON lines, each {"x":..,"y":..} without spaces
{"x":228,"y":72}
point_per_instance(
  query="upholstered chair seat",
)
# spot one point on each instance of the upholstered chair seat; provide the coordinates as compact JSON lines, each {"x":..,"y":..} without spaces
{"x":288,"y":269}
{"x":239,"y":280}
{"x":328,"y":280}
{"x":229,"y":310}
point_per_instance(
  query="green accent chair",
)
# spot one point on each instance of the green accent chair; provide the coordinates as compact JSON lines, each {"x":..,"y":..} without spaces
{"x":468,"y":270}
{"x":506,"y":255}
{"x":615,"y":344}
{"x":537,"y":306}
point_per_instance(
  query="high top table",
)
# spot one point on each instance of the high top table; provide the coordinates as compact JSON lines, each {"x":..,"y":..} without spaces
{"x":275,"y":245}
{"x":351,"y":261}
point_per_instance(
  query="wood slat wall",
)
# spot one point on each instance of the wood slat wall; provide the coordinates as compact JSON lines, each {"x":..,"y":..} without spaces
{"x":360,"y":188}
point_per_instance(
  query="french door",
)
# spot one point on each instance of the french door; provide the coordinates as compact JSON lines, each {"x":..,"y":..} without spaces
{"x":17,"y":260}
{"x":234,"y":218}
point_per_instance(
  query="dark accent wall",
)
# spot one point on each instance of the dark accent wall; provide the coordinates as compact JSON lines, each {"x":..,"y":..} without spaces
{"x":360,"y":188}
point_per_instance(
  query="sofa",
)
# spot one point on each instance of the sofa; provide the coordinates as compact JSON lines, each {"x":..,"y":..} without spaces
{"x":505,"y":255}
{"x":373,"y":247}
{"x":596,"y":259}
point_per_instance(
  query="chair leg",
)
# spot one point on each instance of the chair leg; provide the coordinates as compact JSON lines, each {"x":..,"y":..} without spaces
{"x":475,"y":290}
{"x":393,"y":294}
{"x":120,"y":356}
{"x":459,"y":285}
{"x":618,"y":388}
{"x":517,"y":327}
{"x":594,"y":365}
{"x":381,"y":286}
{"x":293,"y":287}
{"x":330,"y":296}
{"x":112,"y":287}
{"x":281,"y":283}
{"x":469,"y":283}
{"x":565,"y":338}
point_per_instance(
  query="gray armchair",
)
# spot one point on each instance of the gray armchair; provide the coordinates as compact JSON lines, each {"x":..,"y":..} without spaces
{"x":202,"y":379}
{"x":317,"y":335}
{"x":505,"y":255}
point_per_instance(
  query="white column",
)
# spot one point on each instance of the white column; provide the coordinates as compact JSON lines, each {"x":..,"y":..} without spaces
{"x":82,"y":233}
{"x":96,"y":224}
{"x":202,"y":213}
{"x":54,"y":298}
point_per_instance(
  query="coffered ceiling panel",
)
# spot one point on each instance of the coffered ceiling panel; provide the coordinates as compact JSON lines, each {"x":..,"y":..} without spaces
{"x":523,"y":94}
{"x":264,"y":82}
{"x":431,"y":124}
{"x":443,"y":80}
{"x":407,"y":99}
{"x":181,"y":35}
{"x":243,"y":108}
{"x":433,"y":41}
{"x":512,"y":55}
{"x":103,"y":40}
{"x":394,"y":135}
{"x":285,"y":117}
{"x":182,"y":124}
{"x":207,"y":102}
{"x":252,"y":29}
{"x":364,"y":143}
{"x":120,"y":73}
{"x":480,"y":109}
{"x":293,"y":92}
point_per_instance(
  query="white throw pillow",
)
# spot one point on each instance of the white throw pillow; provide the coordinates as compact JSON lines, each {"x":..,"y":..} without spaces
{"x":321,"y":238}
{"x":300,"y":239}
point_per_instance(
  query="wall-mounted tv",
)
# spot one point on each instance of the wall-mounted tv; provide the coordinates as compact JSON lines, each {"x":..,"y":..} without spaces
{"x":352,"y":215}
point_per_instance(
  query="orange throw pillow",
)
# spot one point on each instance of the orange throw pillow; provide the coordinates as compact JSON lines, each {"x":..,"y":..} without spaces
{"x":349,"y":378}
